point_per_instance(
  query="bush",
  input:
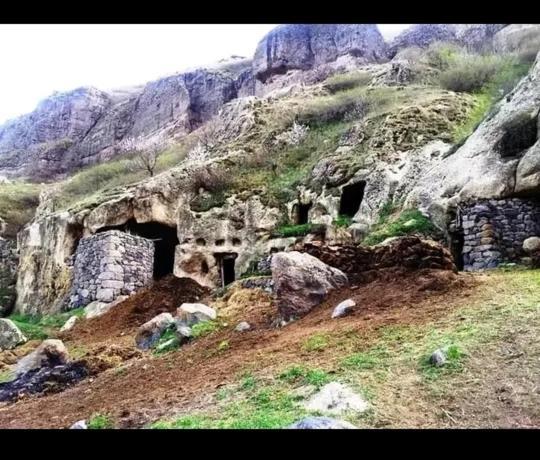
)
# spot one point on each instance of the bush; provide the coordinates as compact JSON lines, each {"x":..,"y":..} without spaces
{"x":100,"y":422}
{"x":343,"y":82}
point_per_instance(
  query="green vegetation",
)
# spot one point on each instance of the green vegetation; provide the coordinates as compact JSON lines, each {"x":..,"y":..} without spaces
{"x":18,"y":203}
{"x":482,"y":104}
{"x":305,"y":376}
{"x":6,"y":376}
{"x":100,"y":422}
{"x":204,"y":328}
{"x":168,"y":335}
{"x":316,"y":342}
{"x":343,"y":221}
{"x":374,"y":357}
{"x":293,"y":230}
{"x":42,"y":327}
{"x":410,"y":221}
{"x":346,"y":81}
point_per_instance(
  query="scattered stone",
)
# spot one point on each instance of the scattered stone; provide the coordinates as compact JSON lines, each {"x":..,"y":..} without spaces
{"x":69,"y":324}
{"x":336,"y":398}
{"x":301,"y":282}
{"x":80,"y":425}
{"x":531,"y":244}
{"x":321,"y":423}
{"x":10,"y":335}
{"x":193,"y":313}
{"x":243,"y":326}
{"x":51,"y":353}
{"x":97,"y":308}
{"x":343,"y":308}
{"x":150,"y":332}
{"x":438,"y":357}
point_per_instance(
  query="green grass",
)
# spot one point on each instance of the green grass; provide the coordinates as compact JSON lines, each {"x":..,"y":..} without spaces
{"x":342,"y":221}
{"x":204,"y":328}
{"x":18,"y":203}
{"x":316,"y":342}
{"x":42,"y":327}
{"x":305,"y":376}
{"x":100,"y":422}
{"x":347,"y":81}
{"x":481,"y":106}
{"x":372,"y":358}
{"x":6,"y":376}
{"x":293,"y":230}
{"x":408,"y":222}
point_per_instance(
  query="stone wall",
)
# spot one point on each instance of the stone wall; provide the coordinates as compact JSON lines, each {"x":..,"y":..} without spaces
{"x":108,"y":265}
{"x":494,"y":230}
{"x":9,"y":260}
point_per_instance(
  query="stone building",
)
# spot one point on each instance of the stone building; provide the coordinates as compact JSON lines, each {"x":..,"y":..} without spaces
{"x":110,"y":264}
{"x":489,"y":232}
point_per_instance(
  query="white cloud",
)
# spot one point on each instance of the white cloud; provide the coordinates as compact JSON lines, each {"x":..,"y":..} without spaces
{"x":39,"y":59}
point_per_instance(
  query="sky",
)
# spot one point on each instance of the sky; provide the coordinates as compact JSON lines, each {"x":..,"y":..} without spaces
{"x":39,"y":59}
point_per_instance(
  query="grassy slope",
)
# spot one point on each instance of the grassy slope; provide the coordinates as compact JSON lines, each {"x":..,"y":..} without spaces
{"x":489,"y":380}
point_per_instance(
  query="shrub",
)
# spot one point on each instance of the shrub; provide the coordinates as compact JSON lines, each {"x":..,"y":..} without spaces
{"x":100,"y":422}
{"x":343,"y":82}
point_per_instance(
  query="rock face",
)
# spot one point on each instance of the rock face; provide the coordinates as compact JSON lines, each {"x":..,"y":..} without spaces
{"x":84,"y":126}
{"x":301,"y":282}
{"x":10,"y":335}
{"x":517,"y":37}
{"x":422,"y":35}
{"x":8,"y":275}
{"x":501,"y":158}
{"x":50,"y":353}
{"x":305,"y":46}
{"x":150,"y":332}
{"x":321,"y":423}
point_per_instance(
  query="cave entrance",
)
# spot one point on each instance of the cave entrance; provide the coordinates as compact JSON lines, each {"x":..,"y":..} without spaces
{"x":165,"y":241}
{"x":457,"y":242}
{"x":301,"y":213}
{"x":226,"y":264}
{"x":351,"y":198}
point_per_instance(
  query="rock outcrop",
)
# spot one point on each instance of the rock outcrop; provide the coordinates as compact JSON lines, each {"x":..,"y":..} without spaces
{"x":10,"y":335}
{"x":50,"y":353}
{"x":8,"y":275}
{"x":301,"y":282}
{"x":305,"y":46}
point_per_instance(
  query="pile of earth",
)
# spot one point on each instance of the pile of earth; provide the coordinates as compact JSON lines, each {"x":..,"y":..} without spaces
{"x":162,"y":296}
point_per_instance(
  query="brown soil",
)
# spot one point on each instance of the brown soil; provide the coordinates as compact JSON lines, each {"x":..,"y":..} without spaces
{"x":151,"y":387}
{"x":165,"y":295}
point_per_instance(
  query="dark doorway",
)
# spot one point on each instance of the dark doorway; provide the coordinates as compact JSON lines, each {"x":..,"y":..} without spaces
{"x":457,"y":242}
{"x":301,"y":213}
{"x":165,"y":241}
{"x":351,"y":198}
{"x":226,"y":264}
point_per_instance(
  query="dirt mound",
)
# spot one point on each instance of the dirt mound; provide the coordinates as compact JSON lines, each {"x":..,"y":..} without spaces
{"x":165,"y":295}
{"x":409,"y":253}
{"x":106,"y":357}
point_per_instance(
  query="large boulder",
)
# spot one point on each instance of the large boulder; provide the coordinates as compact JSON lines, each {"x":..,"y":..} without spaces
{"x":531,"y":244}
{"x":306,"y":46}
{"x":10,"y":335}
{"x":150,"y":332}
{"x":50,"y":353}
{"x":321,"y":423}
{"x":301,"y":282}
{"x":193,"y":313}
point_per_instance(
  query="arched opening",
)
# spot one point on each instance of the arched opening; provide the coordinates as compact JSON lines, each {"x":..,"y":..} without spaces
{"x":351,"y":198}
{"x":226,"y":262}
{"x":164,"y":238}
{"x":301,"y":213}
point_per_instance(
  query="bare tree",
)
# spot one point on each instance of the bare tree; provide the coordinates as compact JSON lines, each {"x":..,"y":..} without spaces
{"x":145,"y":152}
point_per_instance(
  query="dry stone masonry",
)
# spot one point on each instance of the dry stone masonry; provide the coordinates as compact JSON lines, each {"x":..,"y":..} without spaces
{"x":494,"y":231}
{"x":110,"y":264}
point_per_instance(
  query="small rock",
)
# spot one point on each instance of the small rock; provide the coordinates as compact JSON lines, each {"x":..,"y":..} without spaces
{"x":438,"y":358}
{"x":336,"y":398}
{"x":193,"y":313}
{"x":321,"y":423}
{"x":96,"y":308}
{"x":80,"y":425}
{"x":10,"y":335}
{"x":531,"y":244}
{"x":69,"y":324}
{"x":343,"y":308}
{"x":183,"y":331}
{"x":150,"y":332}
{"x":50,"y":353}
{"x":243,"y":326}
